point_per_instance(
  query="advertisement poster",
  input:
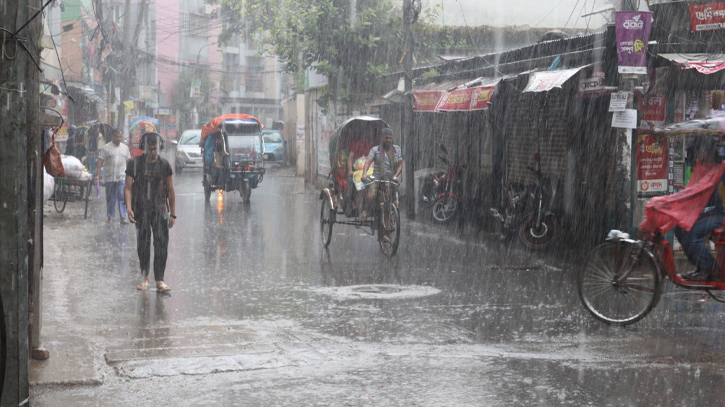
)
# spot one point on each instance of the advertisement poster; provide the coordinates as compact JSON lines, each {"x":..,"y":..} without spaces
{"x":300,"y":134}
{"x":481,"y":96}
{"x":633,"y":30}
{"x":457,"y":100}
{"x":707,"y":16}
{"x":426,"y":100}
{"x":545,"y":81}
{"x":653,"y":110}
{"x":651,"y":157}
{"x":323,"y":145}
{"x":172,"y":127}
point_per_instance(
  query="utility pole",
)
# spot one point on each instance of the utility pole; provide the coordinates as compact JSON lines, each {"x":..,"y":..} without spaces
{"x":19,"y":166}
{"x":406,"y":62}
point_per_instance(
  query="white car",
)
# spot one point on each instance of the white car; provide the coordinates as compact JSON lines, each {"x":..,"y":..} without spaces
{"x":188,"y":152}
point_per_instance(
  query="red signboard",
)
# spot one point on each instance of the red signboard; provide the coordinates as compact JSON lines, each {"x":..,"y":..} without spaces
{"x":426,"y":100}
{"x":481,"y":96}
{"x":654,"y":109}
{"x":708,"y":16}
{"x":651,"y":163}
{"x":457,"y":100}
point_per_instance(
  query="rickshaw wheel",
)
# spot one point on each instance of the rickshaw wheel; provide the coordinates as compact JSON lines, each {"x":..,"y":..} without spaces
{"x":60,"y":200}
{"x":246,"y":192}
{"x":389,"y":229}
{"x":327,"y":219}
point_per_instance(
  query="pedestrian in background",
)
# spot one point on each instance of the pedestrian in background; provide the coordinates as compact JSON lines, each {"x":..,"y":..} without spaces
{"x":113,"y":158}
{"x":151,"y":206}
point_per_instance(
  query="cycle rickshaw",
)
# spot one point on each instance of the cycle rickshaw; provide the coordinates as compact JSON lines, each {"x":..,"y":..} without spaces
{"x":343,"y":197}
{"x":621,"y":280}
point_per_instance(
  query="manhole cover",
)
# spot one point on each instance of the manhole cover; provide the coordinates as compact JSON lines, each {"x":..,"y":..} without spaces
{"x":380,"y":291}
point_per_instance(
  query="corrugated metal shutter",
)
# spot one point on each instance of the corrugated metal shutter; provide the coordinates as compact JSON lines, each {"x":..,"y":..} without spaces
{"x":537,"y":122}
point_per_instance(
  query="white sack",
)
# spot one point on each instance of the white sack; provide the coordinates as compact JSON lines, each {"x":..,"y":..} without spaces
{"x":48,"y":185}
{"x":73,"y":166}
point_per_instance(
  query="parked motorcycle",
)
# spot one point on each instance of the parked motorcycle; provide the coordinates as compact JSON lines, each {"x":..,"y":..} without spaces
{"x":440,"y":191}
{"x":526,"y":211}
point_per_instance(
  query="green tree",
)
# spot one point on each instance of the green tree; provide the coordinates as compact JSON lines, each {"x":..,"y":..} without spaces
{"x":184,"y":102}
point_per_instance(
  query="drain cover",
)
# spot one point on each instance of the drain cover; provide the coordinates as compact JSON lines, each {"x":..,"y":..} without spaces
{"x":380,"y":291}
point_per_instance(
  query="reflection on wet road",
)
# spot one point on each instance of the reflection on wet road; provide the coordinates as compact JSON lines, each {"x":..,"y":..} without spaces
{"x":261,"y":314}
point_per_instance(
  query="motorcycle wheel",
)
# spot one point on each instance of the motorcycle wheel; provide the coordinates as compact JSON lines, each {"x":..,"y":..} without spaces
{"x":445,"y":209}
{"x":538,"y":237}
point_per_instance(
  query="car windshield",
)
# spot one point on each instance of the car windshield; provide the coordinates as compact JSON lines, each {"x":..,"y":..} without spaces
{"x":190,"y":138}
{"x":272,"y":137}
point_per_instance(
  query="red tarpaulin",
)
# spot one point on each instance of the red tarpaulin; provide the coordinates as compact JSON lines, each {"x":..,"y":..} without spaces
{"x":213,"y":125}
{"x":683,"y":208}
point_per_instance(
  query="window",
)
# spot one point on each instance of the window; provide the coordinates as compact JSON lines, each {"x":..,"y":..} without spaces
{"x":255,"y":79}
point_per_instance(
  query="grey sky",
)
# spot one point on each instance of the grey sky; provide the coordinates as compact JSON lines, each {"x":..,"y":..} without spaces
{"x":554,"y":13}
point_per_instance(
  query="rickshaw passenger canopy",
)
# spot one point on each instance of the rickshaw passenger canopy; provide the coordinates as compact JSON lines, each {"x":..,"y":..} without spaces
{"x":360,"y":127}
{"x":213,"y":125}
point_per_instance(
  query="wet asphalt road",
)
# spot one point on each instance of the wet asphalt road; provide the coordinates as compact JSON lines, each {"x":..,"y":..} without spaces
{"x":261,"y":315}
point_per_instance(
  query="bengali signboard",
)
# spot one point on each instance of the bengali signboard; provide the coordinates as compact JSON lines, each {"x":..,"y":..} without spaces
{"x":707,"y":16}
{"x":651,"y":157}
{"x":653,"y":110}
{"x":632,"y":31}
{"x":457,"y":100}
{"x":481,"y":96}
{"x":426,"y":100}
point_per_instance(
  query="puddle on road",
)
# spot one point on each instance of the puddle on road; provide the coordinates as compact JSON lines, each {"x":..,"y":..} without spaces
{"x":379,"y":291}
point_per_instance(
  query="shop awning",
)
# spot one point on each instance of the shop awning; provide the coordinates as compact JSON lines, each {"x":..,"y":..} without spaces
{"x":545,"y":81}
{"x":703,"y":63}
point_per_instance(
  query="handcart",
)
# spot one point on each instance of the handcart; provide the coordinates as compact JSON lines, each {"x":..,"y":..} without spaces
{"x":71,"y":190}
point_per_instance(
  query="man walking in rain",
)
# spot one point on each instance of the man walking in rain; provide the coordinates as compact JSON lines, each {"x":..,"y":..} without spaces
{"x":151,"y":206}
{"x":113,"y":158}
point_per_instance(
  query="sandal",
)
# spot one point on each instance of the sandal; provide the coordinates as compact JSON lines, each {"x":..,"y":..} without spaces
{"x":109,"y":220}
{"x":161,"y":287}
{"x":143,"y":286}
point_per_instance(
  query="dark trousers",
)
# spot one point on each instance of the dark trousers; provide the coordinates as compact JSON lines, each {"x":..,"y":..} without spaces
{"x":694,"y":246}
{"x":158,"y":225}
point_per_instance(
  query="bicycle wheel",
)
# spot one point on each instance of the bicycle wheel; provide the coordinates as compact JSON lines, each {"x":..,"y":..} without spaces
{"x":444,"y":208}
{"x":617,"y":287}
{"x":60,"y":197}
{"x":327,"y":219}
{"x":538,"y":237}
{"x":389,"y":229}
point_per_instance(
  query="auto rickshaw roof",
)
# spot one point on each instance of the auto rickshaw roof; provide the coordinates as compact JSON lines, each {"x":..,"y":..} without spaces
{"x":213,"y":125}
{"x":713,"y":125}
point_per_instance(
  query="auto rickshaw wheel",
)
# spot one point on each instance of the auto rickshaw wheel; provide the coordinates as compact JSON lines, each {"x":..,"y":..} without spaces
{"x":207,"y":190}
{"x":246,"y":191}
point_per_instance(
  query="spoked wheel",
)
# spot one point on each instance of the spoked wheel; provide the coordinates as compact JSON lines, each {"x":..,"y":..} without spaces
{"x":327,"y":219}
{"x":60,"y":199}
{"x":538,"y":236}
{"x":389,"y":229}
{"x":444,"y":208}
{"x":617,"y":286}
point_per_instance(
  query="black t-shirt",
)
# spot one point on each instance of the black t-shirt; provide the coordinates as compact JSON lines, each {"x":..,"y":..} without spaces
{"x":149,"y":192}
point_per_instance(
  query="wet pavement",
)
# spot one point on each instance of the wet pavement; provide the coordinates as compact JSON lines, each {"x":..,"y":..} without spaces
{"x":261,"y":314}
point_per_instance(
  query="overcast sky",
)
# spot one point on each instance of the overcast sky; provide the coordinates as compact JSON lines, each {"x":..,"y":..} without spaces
{"x":535,"y":13}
